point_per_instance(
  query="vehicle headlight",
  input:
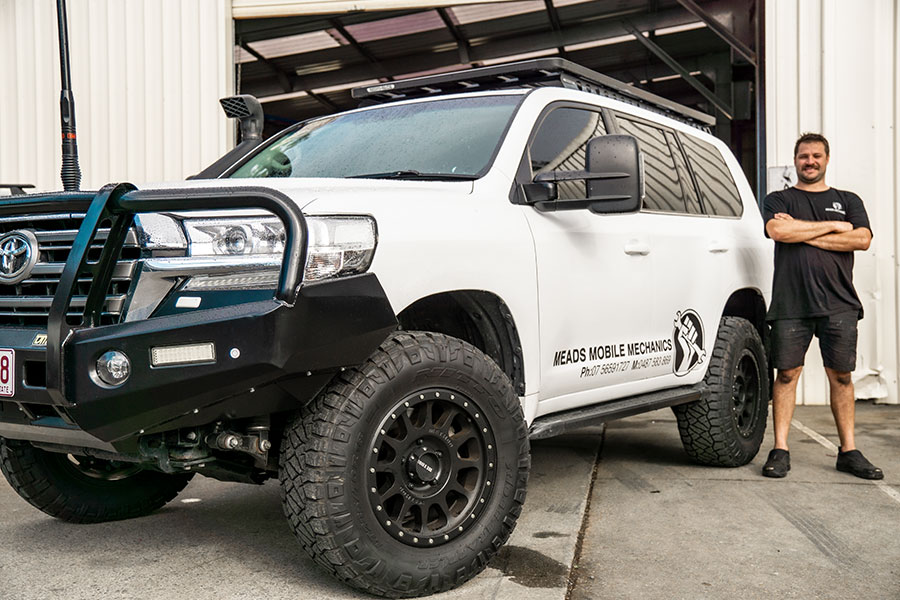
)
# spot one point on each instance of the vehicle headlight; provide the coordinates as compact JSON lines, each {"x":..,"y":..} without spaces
{"x":234,"y":237}
{"x":336,"y":246}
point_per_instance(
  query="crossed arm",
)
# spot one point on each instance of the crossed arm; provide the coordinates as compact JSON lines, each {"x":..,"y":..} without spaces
{"x":839,"y":236}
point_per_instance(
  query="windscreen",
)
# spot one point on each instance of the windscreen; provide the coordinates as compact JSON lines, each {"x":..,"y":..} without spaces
{"x":439,"y":139}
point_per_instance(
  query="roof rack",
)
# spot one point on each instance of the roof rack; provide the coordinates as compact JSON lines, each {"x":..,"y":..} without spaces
{"x":530,"y":73}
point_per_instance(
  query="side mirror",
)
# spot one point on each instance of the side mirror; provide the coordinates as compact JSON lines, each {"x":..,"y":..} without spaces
{"x":618,"y":159}
{"x":614,"y":176}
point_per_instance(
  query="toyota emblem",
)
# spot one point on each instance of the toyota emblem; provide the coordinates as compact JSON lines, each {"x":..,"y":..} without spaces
{"x":18,"y":254}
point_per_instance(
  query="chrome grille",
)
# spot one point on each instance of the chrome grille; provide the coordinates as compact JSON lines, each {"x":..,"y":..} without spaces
{"x":28,"y":302}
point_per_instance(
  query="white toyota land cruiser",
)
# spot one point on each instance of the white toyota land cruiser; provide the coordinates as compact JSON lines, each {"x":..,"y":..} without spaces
{"x":381,"y":307}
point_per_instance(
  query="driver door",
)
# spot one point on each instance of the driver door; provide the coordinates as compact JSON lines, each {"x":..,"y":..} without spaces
{"x":594,"y":273}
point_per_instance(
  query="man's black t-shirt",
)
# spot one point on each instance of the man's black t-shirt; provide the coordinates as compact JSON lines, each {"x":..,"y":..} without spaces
{"x":809,"y":281}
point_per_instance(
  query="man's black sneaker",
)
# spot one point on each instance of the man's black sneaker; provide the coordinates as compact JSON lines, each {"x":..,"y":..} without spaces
{"x":778,"y":463}
{"x":855,"y":463}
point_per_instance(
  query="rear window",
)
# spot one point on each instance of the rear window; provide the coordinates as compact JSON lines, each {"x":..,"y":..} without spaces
{"x":718,"y":192}
{"x":662,"y":188}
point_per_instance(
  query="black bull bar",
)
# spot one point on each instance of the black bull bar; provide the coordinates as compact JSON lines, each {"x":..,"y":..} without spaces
{"x":298,"y":339}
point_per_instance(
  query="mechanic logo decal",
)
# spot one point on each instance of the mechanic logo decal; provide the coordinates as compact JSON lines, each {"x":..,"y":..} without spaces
{"x":18,"y":254}
{"x":689,"y":341}
{"x":836,"y":207}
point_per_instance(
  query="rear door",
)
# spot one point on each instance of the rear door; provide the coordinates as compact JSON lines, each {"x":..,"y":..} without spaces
{"x":695,"y":252}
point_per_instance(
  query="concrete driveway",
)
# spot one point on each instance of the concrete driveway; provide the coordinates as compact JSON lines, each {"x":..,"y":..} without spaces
{"x":661,"y":527}
{"x":655,"y":526}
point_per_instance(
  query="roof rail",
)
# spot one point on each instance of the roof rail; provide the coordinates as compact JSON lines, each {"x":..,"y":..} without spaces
{"x":530,"y":73}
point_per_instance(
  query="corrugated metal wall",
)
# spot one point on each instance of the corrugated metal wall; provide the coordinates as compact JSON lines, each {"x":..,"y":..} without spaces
{"x":834,"y":67}
{"x":146,"y":74}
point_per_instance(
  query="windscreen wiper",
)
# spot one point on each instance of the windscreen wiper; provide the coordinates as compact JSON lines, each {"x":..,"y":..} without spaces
{"x":410,"y":174}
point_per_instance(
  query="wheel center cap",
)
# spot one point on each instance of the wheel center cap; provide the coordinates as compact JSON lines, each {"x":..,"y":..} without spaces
{"x":424,"y":466}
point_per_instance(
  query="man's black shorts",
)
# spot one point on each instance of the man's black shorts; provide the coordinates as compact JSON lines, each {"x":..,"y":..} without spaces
{"x":837,"y":339}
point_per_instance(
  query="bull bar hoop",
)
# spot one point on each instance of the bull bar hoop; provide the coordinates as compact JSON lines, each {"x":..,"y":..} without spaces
{"x":117,"y":204}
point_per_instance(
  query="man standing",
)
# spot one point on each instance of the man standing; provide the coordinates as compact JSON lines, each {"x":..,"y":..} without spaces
{"x":816,"y":229}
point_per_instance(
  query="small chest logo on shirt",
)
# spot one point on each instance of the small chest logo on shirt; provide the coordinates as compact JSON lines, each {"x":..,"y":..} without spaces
{"x":836,"y":207}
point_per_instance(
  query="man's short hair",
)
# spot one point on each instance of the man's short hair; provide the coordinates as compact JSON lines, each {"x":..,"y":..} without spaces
{"x":807,"y":138}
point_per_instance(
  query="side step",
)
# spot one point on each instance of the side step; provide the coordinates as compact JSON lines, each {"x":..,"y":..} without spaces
{"x":563,"y":422}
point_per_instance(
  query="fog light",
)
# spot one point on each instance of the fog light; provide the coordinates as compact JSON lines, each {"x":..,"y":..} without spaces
{"x":113,"y":368}
{"x":188,"y":354}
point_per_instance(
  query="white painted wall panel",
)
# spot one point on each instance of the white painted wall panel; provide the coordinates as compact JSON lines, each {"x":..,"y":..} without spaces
{"x":833,"y":67}
{"x":146,"y":74}
{"x":252,"y":9}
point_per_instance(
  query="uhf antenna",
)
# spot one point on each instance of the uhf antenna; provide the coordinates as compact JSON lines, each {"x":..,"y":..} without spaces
{"x":71,"y":172}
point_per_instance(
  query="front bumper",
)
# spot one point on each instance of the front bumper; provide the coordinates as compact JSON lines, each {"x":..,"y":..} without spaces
{"x":270,"y":355}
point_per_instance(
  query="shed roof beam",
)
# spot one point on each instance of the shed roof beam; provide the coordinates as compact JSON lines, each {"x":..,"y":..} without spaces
{"x":353,"y":42}
{"x":555,"y":24}
{"x":321,"y":99}
{"x":284,"y":79}
{"x":462,"y":44}
{"x":279,"y":74}
{"x":673,"y":64}
{"x":716,"y":26}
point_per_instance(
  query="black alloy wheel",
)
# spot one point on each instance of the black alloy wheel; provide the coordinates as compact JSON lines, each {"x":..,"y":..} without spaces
{"x":745,"y":393}
{"x":432,"y":467}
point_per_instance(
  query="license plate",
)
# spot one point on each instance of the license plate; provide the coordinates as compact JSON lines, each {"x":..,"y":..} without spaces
{"x":7,"y":372}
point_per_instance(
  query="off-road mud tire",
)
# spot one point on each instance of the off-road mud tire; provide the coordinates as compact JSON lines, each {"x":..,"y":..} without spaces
{"x":726,"y":427}
{"x":55,"y":484}
{"x":328,"y":465}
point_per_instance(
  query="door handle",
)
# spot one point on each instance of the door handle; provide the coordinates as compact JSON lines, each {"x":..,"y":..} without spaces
{"x":717,"y":247}
{"x":636,"y":247}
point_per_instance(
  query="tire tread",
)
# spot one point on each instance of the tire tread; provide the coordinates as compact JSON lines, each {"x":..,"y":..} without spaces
{"x":26,"y":468}
{"x":706,"y":427}
{"x":308,"y":462}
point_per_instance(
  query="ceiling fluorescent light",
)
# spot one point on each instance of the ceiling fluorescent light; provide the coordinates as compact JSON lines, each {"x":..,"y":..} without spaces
{"x":278,"y":97}
{"x":680,"y":28}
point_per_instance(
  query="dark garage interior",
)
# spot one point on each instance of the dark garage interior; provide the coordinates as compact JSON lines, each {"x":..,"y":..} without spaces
{"x":706,"y":55}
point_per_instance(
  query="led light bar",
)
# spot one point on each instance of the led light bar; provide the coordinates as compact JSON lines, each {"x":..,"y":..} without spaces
{"x":261,"y":280}
{"x":188,"y":354}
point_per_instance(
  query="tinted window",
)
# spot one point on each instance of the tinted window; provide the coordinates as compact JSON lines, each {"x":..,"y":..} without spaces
{"x":454,"y":138}
{"x":687,"y":185}
{"x":717,"y":189}
{"x":560,"y":144}
{"x":662,"y":189}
